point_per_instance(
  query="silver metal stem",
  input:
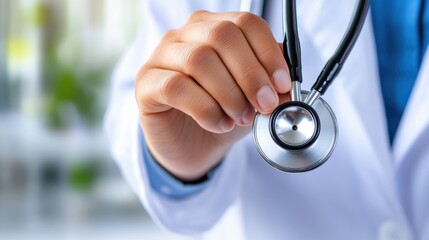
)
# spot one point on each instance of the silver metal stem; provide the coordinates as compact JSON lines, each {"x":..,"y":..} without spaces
{"x":312,"y":97}
{"x":295,"y":92}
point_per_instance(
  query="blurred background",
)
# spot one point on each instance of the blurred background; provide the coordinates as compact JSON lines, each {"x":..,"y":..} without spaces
{"x":57,"y":179}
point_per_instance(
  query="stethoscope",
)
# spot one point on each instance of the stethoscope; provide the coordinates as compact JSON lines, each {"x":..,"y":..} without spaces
{"x":300,"y":135}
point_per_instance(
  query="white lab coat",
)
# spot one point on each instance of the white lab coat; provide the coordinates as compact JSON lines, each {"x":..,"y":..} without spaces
{"x":364,"y":191}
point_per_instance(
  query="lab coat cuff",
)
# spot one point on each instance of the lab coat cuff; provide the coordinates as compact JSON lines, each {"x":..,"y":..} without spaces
{"x":165,"y":184}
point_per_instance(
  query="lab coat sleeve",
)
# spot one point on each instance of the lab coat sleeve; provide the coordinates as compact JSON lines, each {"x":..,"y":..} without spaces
{"x":165,"y":183}
{"x":200,"y":211}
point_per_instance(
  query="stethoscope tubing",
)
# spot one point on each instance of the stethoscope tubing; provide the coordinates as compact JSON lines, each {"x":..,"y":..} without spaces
{"x":292,"y":51}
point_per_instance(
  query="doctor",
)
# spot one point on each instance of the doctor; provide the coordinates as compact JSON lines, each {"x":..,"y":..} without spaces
{"x":181,"y":135}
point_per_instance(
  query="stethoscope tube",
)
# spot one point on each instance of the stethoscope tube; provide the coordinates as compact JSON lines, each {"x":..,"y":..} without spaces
{"x":292,"y":49}
{"x":291,"y":45}
{"x":300,"y":135}
{"x":335,"y":63}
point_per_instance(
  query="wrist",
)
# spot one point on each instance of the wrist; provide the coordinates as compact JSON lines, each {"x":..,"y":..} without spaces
{"x":187,"y":170}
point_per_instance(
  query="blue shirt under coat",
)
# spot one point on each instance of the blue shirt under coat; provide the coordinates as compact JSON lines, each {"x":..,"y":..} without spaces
{"x":401,"y":30}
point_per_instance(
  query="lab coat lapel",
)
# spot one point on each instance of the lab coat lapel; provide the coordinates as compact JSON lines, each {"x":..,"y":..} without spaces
{"x":415,"y":120}
{"x":358,"y":81}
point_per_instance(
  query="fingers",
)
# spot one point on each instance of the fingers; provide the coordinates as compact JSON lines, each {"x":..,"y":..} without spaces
{"x":260,"y":39}
{"x":217,"y":69}
{"x":203,"y":64}
{"x":236,"y":54}
{"x":164,"y":89}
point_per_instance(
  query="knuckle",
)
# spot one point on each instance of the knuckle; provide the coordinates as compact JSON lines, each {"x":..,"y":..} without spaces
{"x":271,"y":58}
{"x":222,"y":32}
{"x":140,"y":75}
{"x":253,"y":78}
{"x":267,"y":53}
{"x":169,"y":35}
{"x":141,"y":79}
{"x":197,"y":56}
{"x":235,"y":100}
{"x":196,"y":16}
{"x":232,"y":95}
{"x":246,"y":20}
{"x":171,"y":87}
{"x":141,"y":91}
{"x":206,"y":112}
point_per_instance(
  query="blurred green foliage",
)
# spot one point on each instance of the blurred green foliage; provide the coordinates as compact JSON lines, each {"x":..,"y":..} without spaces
{"x":59,"y":55}
{"x":70,"y":86}
{"x":37,"y":15}
{"x":82,"y":175}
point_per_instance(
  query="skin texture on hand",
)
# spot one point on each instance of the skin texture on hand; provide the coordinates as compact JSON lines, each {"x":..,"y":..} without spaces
{"x":198,"y":92}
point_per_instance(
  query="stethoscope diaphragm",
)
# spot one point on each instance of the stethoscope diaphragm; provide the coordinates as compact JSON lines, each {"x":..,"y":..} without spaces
{"x":295,"y":139}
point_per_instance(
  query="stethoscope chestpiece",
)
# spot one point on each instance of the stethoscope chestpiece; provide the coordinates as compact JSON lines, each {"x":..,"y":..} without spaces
{"x":296,"y":137}
{"x":300,"y":135}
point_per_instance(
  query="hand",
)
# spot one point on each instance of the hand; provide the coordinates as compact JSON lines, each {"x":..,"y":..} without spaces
{"x":198,"y":92}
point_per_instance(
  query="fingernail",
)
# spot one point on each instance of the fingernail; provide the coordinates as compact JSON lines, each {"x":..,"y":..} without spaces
{"x":226,"y":124}
{"x":248,"y":115}
{"x":266,"y":98}
{"x":282,"y":80}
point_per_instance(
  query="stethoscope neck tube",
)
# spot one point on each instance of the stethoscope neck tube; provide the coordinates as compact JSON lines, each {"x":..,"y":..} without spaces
{"x":335,"y":63}
{"x":291,"y":45}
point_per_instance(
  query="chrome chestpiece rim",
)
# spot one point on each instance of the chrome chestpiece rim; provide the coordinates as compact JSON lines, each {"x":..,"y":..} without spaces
{"x":296,"y":137}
